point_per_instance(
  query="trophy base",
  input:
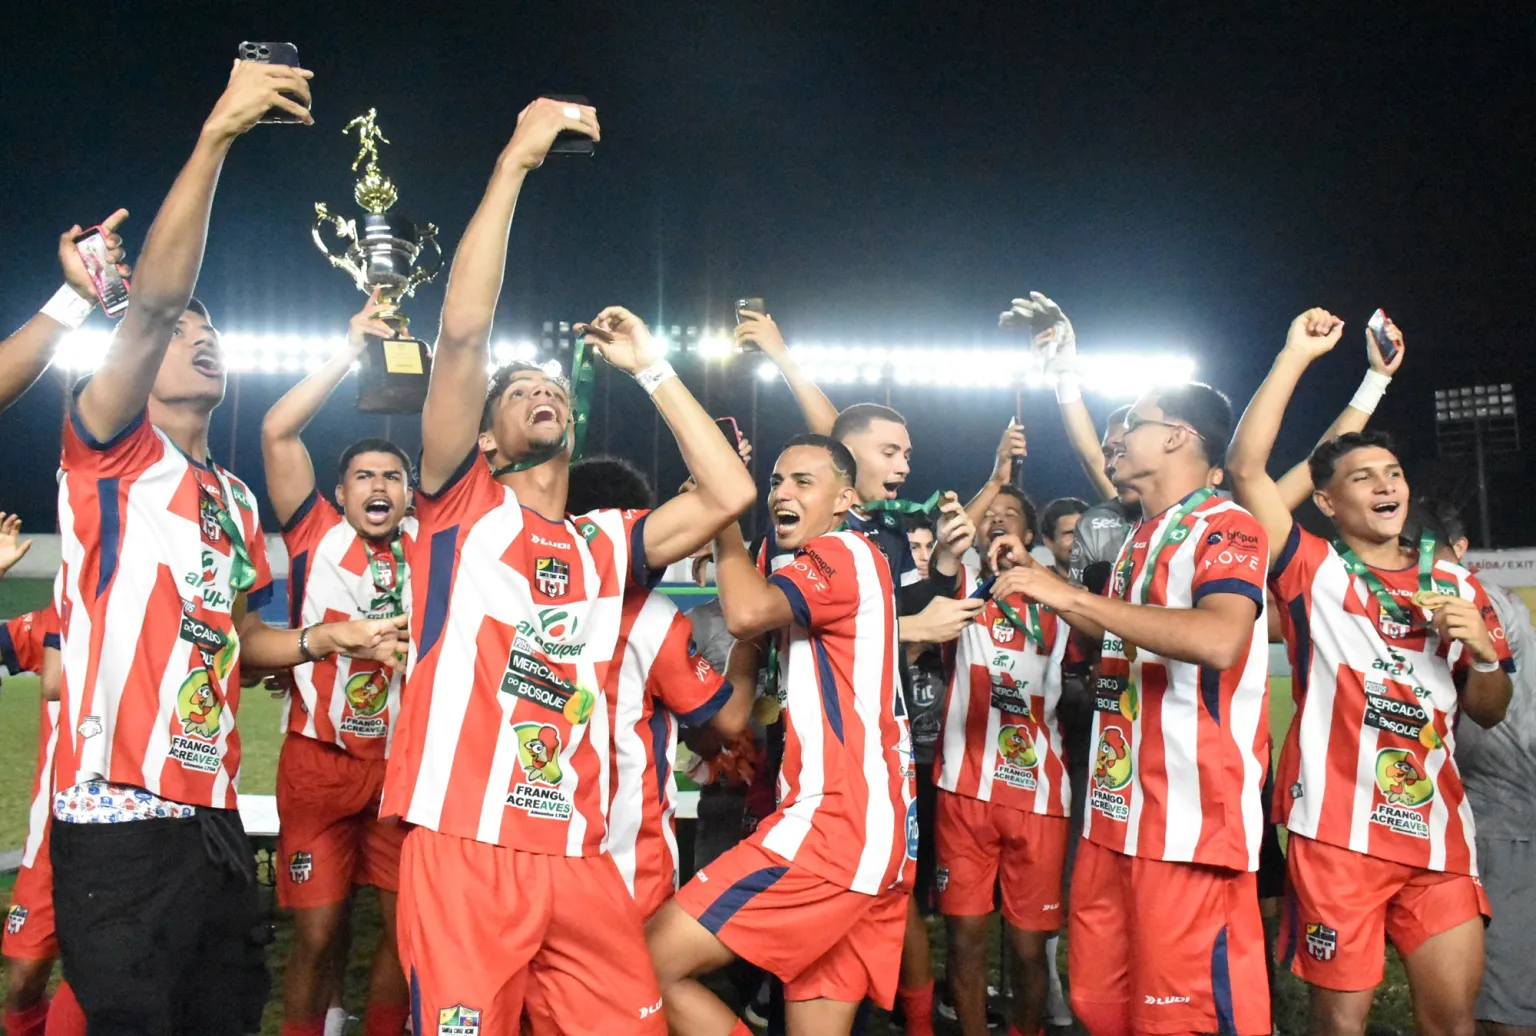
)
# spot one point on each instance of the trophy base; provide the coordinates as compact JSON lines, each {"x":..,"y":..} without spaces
{"x":393,"y":375}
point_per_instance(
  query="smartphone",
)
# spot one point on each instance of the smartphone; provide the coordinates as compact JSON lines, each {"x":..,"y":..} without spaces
{"x":730,"y":429}
{"x":273,"y":54}
{"x":983,"y":591}
{"x":569,"y":142}
{"x":755,"y":305}
{"x":111,"y":287}
{"x":1378,"y":326}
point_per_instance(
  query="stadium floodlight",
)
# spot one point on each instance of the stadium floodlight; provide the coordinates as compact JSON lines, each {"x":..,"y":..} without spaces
{"x":1473,"y":423}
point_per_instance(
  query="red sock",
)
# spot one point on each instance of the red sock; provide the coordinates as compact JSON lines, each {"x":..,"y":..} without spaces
{"x":314,"y":1028}
{"x":742,"y":1029}
{"x":385,"y":1019}
{"x":917,"y":1004}
{"x":65,"y":1018}
{"x":29,"y":1021}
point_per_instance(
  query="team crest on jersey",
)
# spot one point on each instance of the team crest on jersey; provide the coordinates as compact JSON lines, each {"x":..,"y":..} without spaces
{"x":1391,"y":629}
{"x":1322,"y":941}
{"x":208,"y":520}
{"x":301,"y":866}
{"x":200,"y":713}
{"x":458,"y":1020}
{"x":538,"y":751}
{"x":1003,"y":631}
{"x":552,"y":576}
{"x":16,"y":920}
{"x":558,"y":624}
{"x":367,"y":695}
{"x":1016,"y":767}
{"x":1406,"y":789}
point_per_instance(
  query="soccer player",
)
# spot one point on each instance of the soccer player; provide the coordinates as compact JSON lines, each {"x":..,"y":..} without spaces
{"x":28,"y":351}
{"x":1163,"y":928}
{"x":1498,"y":765}
{"x":501,"y":759}
{"x":1003,"y":793}
{"x":1058,"y":530}
{"x":30,"y":644}
{"x":818,"y":895}
{"x":347,"y":560}
{"x":1387,"y":646}
{"x":165,"y":571}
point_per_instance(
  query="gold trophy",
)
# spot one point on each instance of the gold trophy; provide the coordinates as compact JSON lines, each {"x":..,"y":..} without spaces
{"x":394,"y":371}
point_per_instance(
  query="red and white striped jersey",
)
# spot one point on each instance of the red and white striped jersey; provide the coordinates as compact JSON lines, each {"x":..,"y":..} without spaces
{"x":22,"y":642}
{"x":661,"y":679}
{"x":1369,"y":762}
{"x":846,"y":809}
{"x":504,"y":734}
{"x":1181,"y":748}
{"x":335,"y":575}
{"x":1001,"y":740}
{"x":151,"y":656}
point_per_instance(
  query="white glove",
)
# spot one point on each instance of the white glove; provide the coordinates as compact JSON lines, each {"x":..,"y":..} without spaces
{"x":1057,"y":344}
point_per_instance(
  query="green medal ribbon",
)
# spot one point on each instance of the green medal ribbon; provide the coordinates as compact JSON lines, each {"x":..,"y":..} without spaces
{"x":582,"y":379}
{"x":1030,"y":626}
{"x":1389,"y":605}
{"x":394,"y":592}
{"x":1176,"y":523}
{"x":242,"y":573}
{"x":903,"y":506}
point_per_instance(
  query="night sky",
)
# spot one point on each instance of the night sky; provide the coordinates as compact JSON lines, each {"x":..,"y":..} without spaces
{"x":878,"y":172}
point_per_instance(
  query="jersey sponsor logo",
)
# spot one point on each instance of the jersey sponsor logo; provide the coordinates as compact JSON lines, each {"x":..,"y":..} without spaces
{"x":1010,"y":697}
{"x":552,"y":577}
{"x":588,"y":530}
{"x":15,"y":920}
{"x":1233,"y":559}
{"x":914,"y":831}
{"x":199,"y":711}
{"x":701,"y":669}
{"x":1404,"y":719}
{"x":90,"y":726}
{"x":558,"y":624}
{"x":646,"y":1012}
{"x":528,"y":636}
{"x":541,"y":541}
{"x":538,"y":794}
{"x":941,"y":879}
{"x":1407,"y":790}
{"x":1003,"y":631}
{"x":458,"y":1020}
{"x":1018,"y":760}
{"x":301,"y":867}
{"x":1245,"y":540}
{"x":1213,"y":539}
{"x":1322,"y":941}
{"x":367,"y":694}
{"x":1116,"y":695}
{"x":1164,"y":1001}
{"x":529,"y":678}
{"x":1111,"y":772}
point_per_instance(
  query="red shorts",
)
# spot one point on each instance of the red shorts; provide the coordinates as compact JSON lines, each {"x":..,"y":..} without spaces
{"x":824,"y":941}
{"x":330,"y":837}
{"x":29,"y":931}
{"x":1343,"y":905}
{"x":977,"y":840}
{"x":1168,"y":947}
{"x":480,"y":924}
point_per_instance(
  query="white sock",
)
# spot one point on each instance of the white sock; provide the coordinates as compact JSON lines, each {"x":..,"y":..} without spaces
{"x":335,"y":1021}
{"x":1056,"y":1009}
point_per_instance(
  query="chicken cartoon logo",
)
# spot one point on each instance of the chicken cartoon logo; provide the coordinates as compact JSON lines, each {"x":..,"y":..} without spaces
{"x":538,"y":749}
{"x":368,"y":693}
{"x":198,"y":707}
{"x":1402,"y":779}
{"x":1016,"y":747}
{"x":1112,"y":768}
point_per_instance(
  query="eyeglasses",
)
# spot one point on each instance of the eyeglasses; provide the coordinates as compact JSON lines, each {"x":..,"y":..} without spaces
{"x":1134,"y":421}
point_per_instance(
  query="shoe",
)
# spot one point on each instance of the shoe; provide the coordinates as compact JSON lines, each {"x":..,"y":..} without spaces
{"x":756,"y":1012}
{"x":946,"y":1010}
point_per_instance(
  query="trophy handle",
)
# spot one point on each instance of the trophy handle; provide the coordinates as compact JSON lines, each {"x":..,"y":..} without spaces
{"x":430,"y":268}
{"x":346,"y":230}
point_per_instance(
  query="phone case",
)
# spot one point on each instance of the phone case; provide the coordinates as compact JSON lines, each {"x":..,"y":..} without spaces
{"x":110,"y":286}
{"x":569,"y":142}
{"x":273,"y":54}
{"x":1378,"y":326}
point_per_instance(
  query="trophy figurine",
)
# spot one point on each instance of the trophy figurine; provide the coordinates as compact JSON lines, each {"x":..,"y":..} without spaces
{"x":394,"y":371}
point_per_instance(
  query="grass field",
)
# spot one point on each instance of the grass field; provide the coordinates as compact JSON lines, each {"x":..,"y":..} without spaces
{"x":258,"y":724}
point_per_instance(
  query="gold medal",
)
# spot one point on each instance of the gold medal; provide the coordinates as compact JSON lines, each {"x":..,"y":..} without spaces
{"x":1420,"y":600}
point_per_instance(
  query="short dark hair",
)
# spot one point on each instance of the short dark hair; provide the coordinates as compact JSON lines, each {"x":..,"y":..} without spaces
{"x":1058,"y":509}
{"x":1031,"y":515}
{"x":196,"y":305}
{"x":842,"y":460}
{"x":1326,"y":456}
{"x":351,"y":453}
{"x":1116,"y":416}
{"x":917,"y":521}
{"x":858,"y":417}
{"x":500,"y":379}
{"x":1438,"y":517}
{"x":1207,"y":410}
{"x":607,"y":481}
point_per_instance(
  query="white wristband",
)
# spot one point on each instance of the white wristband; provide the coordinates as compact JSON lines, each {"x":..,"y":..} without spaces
{"x":652,"y":377}
{"x":1372,"y":387}
{"x":68,"y":308}
{"x":1067,"y":389}
{"x":1487,"y":667}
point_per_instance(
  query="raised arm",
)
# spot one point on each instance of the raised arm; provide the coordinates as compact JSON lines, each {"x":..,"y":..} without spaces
{"x":1082,"y":434}
{"x":290,"y":473}
{"x":1296,"y":484}
{"x":1011,"y":446}
{"x":723,"y":485}
{"x":173,"y":249}
{"x":27,"y":353}
{"x":761,"y":331}
{"x":12,"y":547}
{"x":751,"y":605}
{"x":1311,"y":335}
{"x":450,"y":419}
